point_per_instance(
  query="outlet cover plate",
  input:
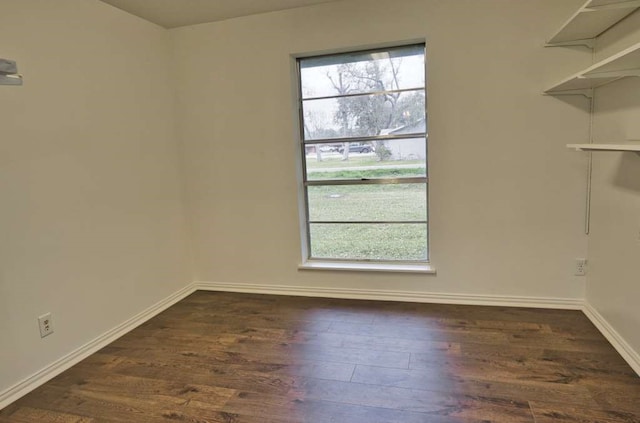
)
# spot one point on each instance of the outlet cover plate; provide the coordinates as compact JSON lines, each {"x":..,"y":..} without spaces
{"x":581,"y":267}
{"x":46,"y":325}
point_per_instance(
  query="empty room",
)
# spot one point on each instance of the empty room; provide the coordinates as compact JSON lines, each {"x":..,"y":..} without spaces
{"x":314,"y":211}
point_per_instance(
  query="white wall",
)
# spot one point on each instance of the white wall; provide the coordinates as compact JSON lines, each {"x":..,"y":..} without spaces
{"x":613,"y":287}
{"x":507,"y":198}
{"x":91,"y":220}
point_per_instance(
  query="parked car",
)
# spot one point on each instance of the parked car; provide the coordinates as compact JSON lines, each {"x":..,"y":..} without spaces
{"x":329,"y":148}
{"x":356,"y":147}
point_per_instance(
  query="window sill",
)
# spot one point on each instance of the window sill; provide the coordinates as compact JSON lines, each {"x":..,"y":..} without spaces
{"x":368,"y":267}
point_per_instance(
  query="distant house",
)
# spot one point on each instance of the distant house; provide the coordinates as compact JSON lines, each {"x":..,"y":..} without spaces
{"x":407,"y":149}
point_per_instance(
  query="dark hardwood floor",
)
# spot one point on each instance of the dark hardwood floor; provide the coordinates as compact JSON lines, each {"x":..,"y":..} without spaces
{"x":222,"y":357}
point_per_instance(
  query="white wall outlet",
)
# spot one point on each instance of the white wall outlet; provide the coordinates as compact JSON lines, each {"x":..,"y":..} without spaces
{"x":581,"y":267}
{"x":46,"y":325}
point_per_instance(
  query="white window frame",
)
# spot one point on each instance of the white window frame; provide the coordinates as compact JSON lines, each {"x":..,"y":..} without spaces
{"x":319,"y":263}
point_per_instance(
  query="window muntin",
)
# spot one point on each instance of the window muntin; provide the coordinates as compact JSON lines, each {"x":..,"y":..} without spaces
{"x":364,"y":151}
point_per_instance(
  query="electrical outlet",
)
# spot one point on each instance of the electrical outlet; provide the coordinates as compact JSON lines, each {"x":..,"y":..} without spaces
{"x":581,"y":267}
{"x":46,"y":325}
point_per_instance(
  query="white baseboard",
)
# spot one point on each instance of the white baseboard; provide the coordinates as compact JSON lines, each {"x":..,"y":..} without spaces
{"x":49,"y":372}
{"x":389,"y":295}
{"x":624,"y":349}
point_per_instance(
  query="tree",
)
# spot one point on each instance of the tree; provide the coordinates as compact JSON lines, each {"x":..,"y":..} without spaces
{"x":315,"y":130}
{"x":342,"y":117}
{"x":369,"y":115}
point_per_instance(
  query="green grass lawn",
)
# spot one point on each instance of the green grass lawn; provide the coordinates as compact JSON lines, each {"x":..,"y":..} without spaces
{"x":394,"y":202}
{"x":369,"y":242}
{"x":391,"y":202}
{"x":355,"y":160}
{"x":368,"y":173}
{"x":380,"y":203}
{"x":362,"y":166}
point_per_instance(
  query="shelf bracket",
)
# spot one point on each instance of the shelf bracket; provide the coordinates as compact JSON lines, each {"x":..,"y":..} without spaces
{"x":586,"y":92}
{"x":632,"y":148}
{"x":628,"y":4}
{"x":611,"y":74}
{"x":589,"y":43}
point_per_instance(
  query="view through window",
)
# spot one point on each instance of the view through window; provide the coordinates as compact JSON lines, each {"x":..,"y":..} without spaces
{"x":364,"y":153}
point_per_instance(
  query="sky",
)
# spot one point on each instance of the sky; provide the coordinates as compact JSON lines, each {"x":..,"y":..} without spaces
{"x":316,"y":83}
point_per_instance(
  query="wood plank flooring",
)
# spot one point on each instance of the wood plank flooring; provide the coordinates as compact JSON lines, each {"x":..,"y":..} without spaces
{"x":240,"y":358}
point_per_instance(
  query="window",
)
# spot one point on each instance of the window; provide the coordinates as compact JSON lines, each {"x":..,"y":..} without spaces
{"x":364,"y":155}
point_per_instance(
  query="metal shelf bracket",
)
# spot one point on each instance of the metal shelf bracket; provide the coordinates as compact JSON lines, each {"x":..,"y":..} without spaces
{"x":589,"y":43}
{"x":587,"y":93}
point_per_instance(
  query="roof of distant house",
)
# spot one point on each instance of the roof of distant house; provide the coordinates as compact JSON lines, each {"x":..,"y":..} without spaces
{"x":414,"y":128}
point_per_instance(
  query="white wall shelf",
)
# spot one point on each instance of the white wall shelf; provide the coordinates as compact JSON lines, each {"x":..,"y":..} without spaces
{"x":620,"y":65}
{"x":591,"y":20}
{"x":605,"y":147}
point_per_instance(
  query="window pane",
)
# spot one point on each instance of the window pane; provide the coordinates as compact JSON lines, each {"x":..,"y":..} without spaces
{"x":365,"y":184}
{"x":362,"y":72}
{"x":369,"y":241}
{"x":390,"y":202}
{"x":362,"y":116}
{"x":401,"y":158}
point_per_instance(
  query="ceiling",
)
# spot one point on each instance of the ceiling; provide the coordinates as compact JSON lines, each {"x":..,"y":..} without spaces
{"x":175,"y":13}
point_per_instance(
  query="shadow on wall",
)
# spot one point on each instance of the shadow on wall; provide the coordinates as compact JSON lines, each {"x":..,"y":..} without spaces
{"x":620,"y":96}
{"x":578,"y":101}
{"x":628,"y":173}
